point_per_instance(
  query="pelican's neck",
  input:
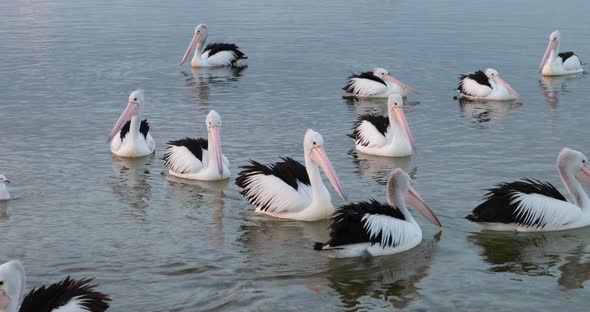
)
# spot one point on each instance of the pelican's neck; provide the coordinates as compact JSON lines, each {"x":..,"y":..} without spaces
{"x":211,"y":152}
{"x":396,"y":199}
{"x":575,"y":188}
{"x":395,"y":128}
{"x":199,"y":50}
{"x":4,"y":191}
{"x":134,"y":127}
{"x":319,"y":192}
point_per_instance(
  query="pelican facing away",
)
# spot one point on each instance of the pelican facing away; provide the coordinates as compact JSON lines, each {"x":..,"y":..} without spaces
{"x":4,"y":195}
{"x":214,"y":54}
{"x":384,"y":136}
{"x":199,"y":159}
{"x":130,"y":137}
{"x":69,"y":295}
{"x":486,"y":85}
{"x":554,"y":63}
{"x":376,"y":83}
{"x":537,"y":206}
{"x":290,"y":190}
{"x":378,"y":229}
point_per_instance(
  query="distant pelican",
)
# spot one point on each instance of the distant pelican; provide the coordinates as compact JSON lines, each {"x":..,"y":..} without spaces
{"x":4,"y":195}
{"x":376,"y":83}
{"x":384,"y":136}
{"x":129,"y":137}
{"x":379,"y":229}
{"x":290,"y":190}
{"x":199,"y":159}
{"x":554,"y":63}
{"x":536,"y":206}
{"x":69,"y":295}
{"x":214,"y":54}
{"x":486,"y":85}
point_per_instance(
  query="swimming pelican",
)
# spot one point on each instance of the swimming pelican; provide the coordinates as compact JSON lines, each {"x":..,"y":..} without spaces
{"x":536,"y":206}
{"x":214,"y":54}
{"x":378,"y":229}
{"x":199,"y":159}
{"x":67,"y":295}
{"x":290,"y":190}
{"x":384,"y":136}
{"x":4,"y":195}
{"x":129,"y":138}
{"x":486,"y":85}
{"x":554,"y":63}
{"x":376,"y":83}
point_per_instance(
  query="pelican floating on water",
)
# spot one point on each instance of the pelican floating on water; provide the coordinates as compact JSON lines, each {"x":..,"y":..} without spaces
{"x":486,"y":85}
{"x":199,"y":159}
{"x":214,"y":54}
{"x":384,"y":136}
{"x":554,"y":63}
{"x":376,"y":83}
{"x":379,"y":229}
{"x":68,"y":295}
{"x":130,"y":137}
{"x":289,"y":190}
{"x":4,"y":195}
{"x":536,"y":206}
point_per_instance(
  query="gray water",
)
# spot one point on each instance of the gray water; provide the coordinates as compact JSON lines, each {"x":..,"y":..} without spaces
{"x":156,"y":244}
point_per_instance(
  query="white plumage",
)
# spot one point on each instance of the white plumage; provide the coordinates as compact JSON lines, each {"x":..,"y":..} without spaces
{"x":554,"y":63}
{"x":212,"y":55}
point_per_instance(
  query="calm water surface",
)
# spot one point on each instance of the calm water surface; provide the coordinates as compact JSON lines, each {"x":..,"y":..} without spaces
{"x":157,"y":244}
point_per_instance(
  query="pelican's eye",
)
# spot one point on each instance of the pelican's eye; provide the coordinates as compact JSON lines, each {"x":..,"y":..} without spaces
{"x":1,"y":283}
{"x":583,"y":161}
{"x":135,"y":99}
{"x":314,"y":143}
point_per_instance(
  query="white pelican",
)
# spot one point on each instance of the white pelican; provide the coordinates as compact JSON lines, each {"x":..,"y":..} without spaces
{"x":376,"y":83}
{"x":384,"y":136}
{"x":554,"y":63}
{"x":536,"y":206}
{"x":486,"y":85}
{"x":290,"y":190}
{"x":129,"y":137}
{"x":214,"y":54}
{"x":379,"y":229}
{"x":4,"y":195}
{"x":199,"y":159}
{"x":67,"y":295}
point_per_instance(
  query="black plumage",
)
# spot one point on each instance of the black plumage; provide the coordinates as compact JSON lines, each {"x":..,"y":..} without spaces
{"x":498,"y":205}
{"x":479,"y":76}
{"x":565,"y":55}
{"x":144,"y":128}
{"x":288,"y":170}
{"x":349,"y":87}
{"x":195,"y":146}
{"x":348,"y":227}
{"x":217,"y":47}
{"x":46,"y":299}
{"x":381,"y":123}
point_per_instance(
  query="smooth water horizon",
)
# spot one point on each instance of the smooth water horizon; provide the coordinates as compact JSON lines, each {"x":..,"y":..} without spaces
{"x":155,"y":243}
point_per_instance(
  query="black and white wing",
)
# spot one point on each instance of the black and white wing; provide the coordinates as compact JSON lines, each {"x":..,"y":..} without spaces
{"x":365,"y":84}
{"x":186,"y":155}
{"x":371,"y":130}
{"x":277,"y":188}
{"x":570,"y":60}
{"x":528,"y":203}
{"x":144,"y":129}
{"x":475,"y":85}
{"x":223,"y":54}
{"x":69,"y":295}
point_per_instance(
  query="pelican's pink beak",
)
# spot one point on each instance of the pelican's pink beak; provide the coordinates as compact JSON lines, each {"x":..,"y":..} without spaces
{"x":584,"y":174}
{"x":131,"y":110}
{"x":318,"y":155}
{"x":214,"y":132}
{"x":190,"y":48}
{"x":4,"y":300}
{"x":413,"y":199}
{"x":401,"y":84}
{"x":550,"y":47}
{"x":507,"y":86}
{"x":400,"y":117}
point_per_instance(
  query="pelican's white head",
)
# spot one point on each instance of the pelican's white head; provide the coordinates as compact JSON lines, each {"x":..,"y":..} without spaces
{"x":3,"y":179}
{"x":198,"y":40}
{"x":400,"y":191}
{"x":133,"y":108}
{"x":570,"y":162}
{"x":213,"y":128}
{"x":383,"y":74}
{"x":395,"y":104}
{"x":4,"y":195}
{"x":552,"y":46}
{"x":554,"y":36}
{"x":495,"y":76}
{"x":12,"y":285}
{"x":313,"y":145}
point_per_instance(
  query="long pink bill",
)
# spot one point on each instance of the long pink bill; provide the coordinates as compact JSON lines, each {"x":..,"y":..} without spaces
{"x":401,"y":84}
{"x":191,"y":47}
{"x":584,"y":174}
{"x":550,"y":47}
{"x":131,"y":110}
{"x":318,"y":155}
{"x":214,"y":131}
{"x":507,"y":86}
{"x":400,"y":117}
{"x":415,"y":200}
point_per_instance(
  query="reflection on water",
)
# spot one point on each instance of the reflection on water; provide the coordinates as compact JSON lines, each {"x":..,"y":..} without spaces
{"x":130,"y":182}
{"x":551,"y":87}
{"x":200,"y":80}
{"x":378,"y":168}
{"x":361,"y":106}
{"x":483,"y":112}
{"x":3,"y":210}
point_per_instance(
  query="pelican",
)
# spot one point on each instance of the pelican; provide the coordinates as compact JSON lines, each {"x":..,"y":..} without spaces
{"x":199,"y":159}
{"x":378,"y":229}
{"x":67,"y":295}
{"x":290,"y":190}
{"x":537,"y":206}
{"x":214,"y":54}
{"x":377,"y":83}
{"x":129,"y":137}
{"x":4,"y":195}
{"x":384,"y":136}
{"x":486,"y":85}
{"x":554,"y":63}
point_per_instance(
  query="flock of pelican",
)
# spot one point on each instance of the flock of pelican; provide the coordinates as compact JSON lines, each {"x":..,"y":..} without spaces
{"x":289,"y":189}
